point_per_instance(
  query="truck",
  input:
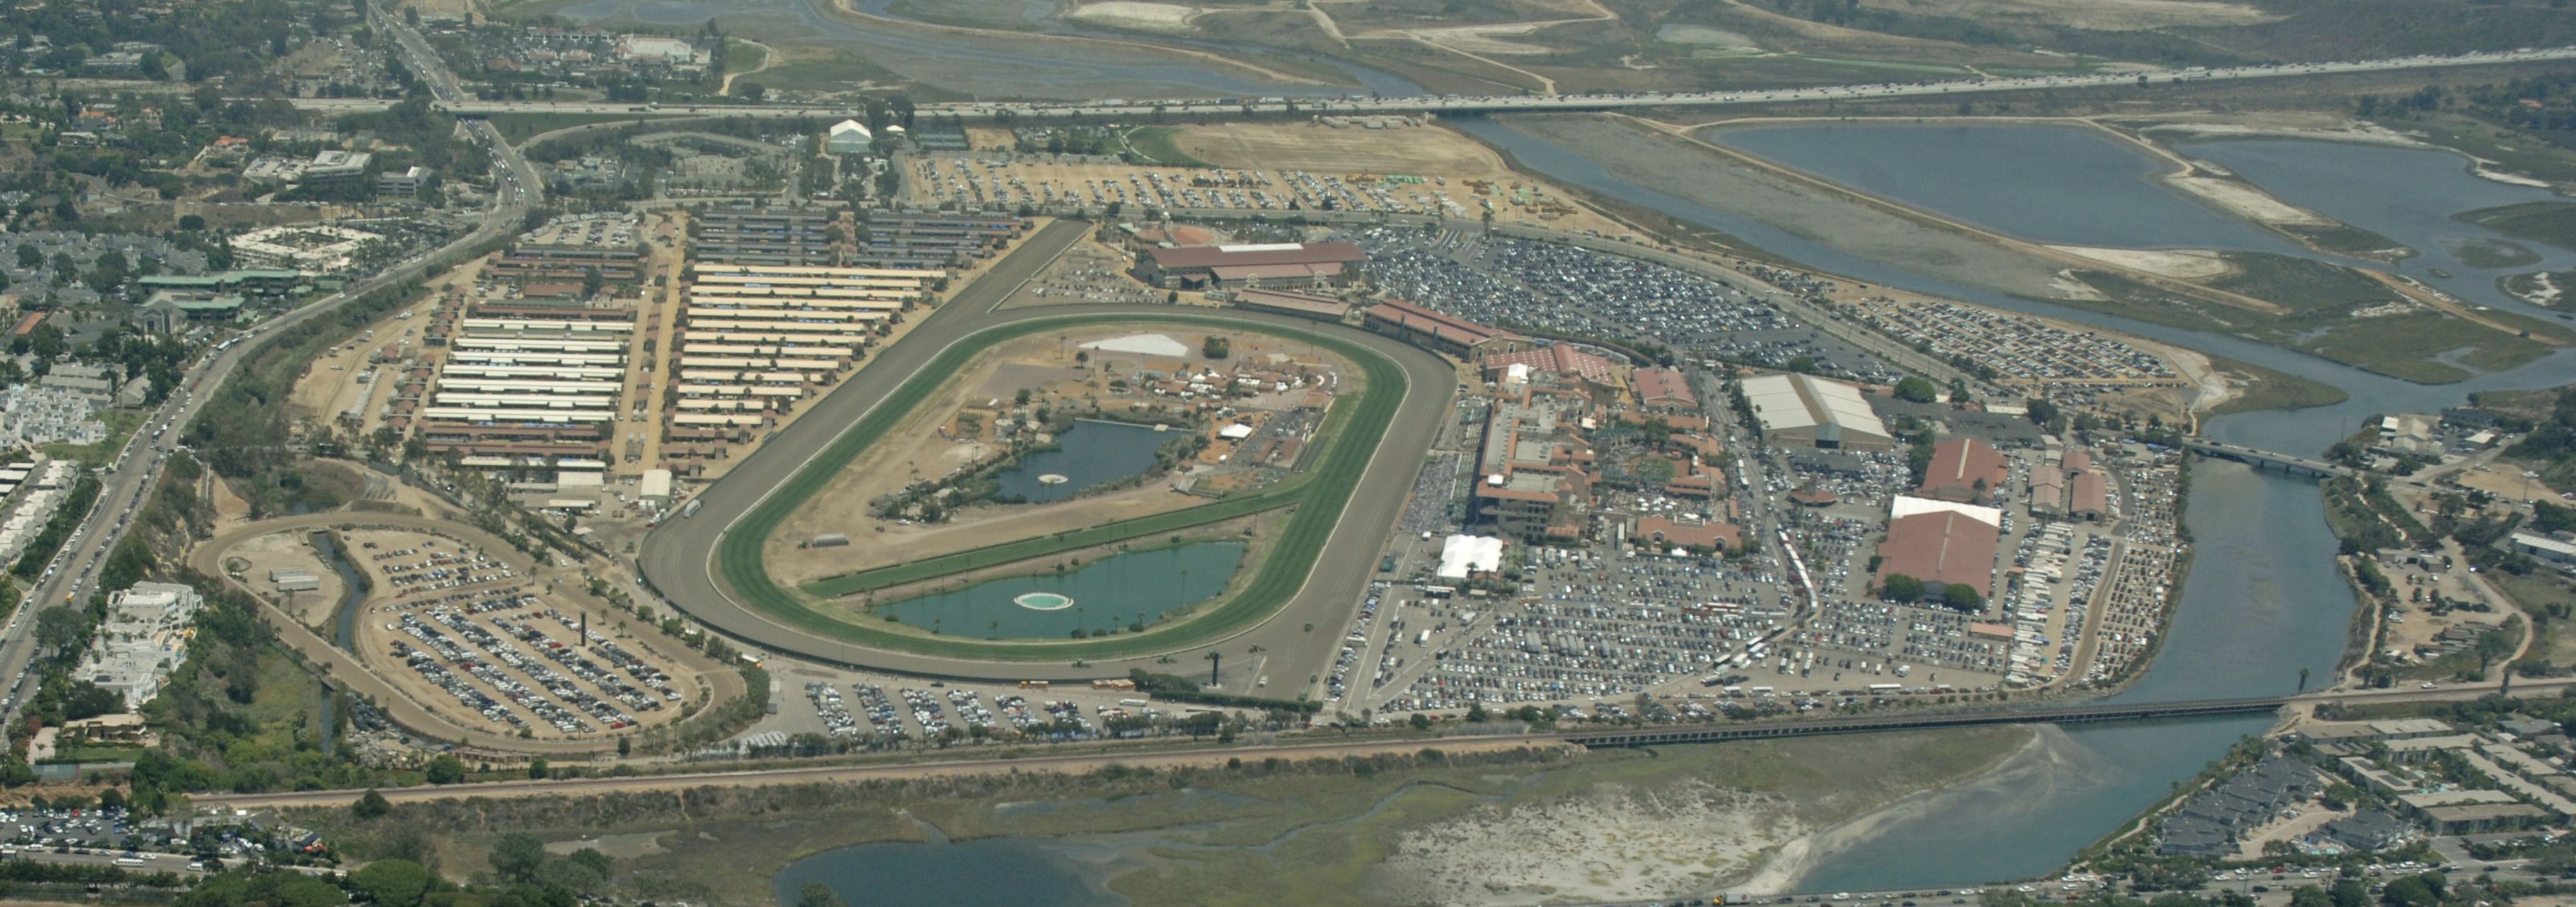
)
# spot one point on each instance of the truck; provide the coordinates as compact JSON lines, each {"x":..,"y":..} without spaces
{"x":1423,"y":639}
{"x":690,"y":509}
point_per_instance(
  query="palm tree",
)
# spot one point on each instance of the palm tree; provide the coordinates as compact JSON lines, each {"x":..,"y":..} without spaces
{"x":1214,"y":659}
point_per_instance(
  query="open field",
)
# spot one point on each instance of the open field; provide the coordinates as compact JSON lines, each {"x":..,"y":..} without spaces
{"x":1353,"y":426}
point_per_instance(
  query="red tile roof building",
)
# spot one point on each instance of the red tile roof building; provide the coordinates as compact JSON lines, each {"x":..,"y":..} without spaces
{"x":1663,"y":388}
{"x":1941,"y":546}
{"x":1962,"y":470}
{"x":1440,"y":332}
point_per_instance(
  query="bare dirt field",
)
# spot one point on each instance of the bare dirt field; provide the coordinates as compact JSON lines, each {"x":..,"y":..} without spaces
{"x":2248,"y":202}
{"x":1163,"y":17}
{"x":2186,"y":264}
{"x":291,"y":551}
{"x":331,"y":386}
{"x":1324,"y":149}
{"x":931,"y":443}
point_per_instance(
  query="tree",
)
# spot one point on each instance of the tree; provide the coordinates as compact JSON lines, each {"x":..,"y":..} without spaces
{"x":592,"y":282}
{"x":392,"y":883}
{"x":2423,"y":890}
{"x":519,"y":857}
{"x":1902,"y":588}
{"x":1420,"y":722}
{"x":61,"y":628}
{"x":750,"y":91}
{"x":446,"y":769}
{"x":1215,"y":347}
{"x":1802,"y":364}
{"x":1917,"y":390}
{"x":371,"y":806}
{"x":537,"y":769}
{"x":190,"y":222}
{"x":1476,"y":713}
{"x":817,"y":894}
{"x":2349,"y":893}
{"x":1962,"y":597}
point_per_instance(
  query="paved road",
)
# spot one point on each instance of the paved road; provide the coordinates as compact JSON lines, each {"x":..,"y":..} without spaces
{"x":1471,"y":104}
{"x":678,"y":557}
{"x":346,"y":670}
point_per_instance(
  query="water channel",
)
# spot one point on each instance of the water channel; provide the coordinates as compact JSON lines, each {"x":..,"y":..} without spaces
{"x":1115,"y":591}
{"x":1088,"y":455}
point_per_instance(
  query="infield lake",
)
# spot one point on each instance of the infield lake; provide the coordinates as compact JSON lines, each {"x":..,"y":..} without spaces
{"x":1124,"y":588}
{"x":1089,"y":454}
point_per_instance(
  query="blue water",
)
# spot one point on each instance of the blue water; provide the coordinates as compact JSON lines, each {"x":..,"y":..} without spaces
{"x":1088,"y":455}
{"x":2052,"y":184}
{"x":1114,"y":591}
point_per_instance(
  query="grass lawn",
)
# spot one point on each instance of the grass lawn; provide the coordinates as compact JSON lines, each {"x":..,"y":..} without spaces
{"x":1155,"y":146}
{"x":519,"y":127}
{"x":2543,"y":592}
{"x":1353,"y":428}
{"x":121,"y":424}
{"x":2548,"y":223}
{"x":2274,"y":390}
{"x":743,"y":56}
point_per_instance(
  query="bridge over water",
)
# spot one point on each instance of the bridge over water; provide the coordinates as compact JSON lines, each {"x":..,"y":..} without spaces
{"x":2080,"y":714}
{"x":2264,"y":459}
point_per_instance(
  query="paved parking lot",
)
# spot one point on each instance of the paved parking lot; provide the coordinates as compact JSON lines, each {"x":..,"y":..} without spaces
{"x":1579,"y":291}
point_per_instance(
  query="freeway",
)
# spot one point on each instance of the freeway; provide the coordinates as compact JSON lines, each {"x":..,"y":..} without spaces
{"x":124,"y":483}
{"x":678,"y":559}
{"x":1477,"y":104}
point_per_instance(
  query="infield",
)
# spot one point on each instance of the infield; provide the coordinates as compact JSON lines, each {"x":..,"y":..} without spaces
{"x":1347,"y":438}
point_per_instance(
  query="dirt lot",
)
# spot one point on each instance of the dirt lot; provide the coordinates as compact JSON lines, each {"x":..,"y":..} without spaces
{"x":1323,"y":149}
{"x":1434,"y":162}
{"x":291,"y":551}
{"x":391,"y":599}
{"x":330,"y":387}
{"x":927,"y":445}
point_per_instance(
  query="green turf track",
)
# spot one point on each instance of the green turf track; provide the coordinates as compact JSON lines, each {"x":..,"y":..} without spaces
{"x":1352,"y":429}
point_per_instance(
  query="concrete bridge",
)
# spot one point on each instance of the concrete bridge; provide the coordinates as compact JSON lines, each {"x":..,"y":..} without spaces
{"x":2264,"y":459}
{"x":2081,"y":714}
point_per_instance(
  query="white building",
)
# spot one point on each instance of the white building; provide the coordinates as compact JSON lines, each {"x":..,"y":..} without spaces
{"x":849,"y":137}
{"x":332,"y":165}
{"x":1807,"y":410}
{"x":144,"y":639}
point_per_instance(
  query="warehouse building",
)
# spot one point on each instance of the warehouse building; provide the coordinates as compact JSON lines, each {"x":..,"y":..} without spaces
{"x":849,"y":137}
{"x":1301,"y":305}
{"x":1963,"y":470}
{"x":1942,"y":543}
{"x":1266,"y":266}
{"x":1803,"y":409}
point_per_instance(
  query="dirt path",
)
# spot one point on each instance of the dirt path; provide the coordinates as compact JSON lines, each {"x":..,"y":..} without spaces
{"x":2420,"y":293}
{"x":768,"y":58}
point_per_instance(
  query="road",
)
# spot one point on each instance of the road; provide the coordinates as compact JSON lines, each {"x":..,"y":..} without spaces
{"x":678,"y":558}
{"x":1476,"y":104}
{"x":130,"y":476}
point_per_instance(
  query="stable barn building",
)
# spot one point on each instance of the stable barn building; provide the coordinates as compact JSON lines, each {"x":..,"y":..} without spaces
{"x":1271,"y":265}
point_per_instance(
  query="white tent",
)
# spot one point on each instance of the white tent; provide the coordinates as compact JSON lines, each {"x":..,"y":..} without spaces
{"x":848,"y":137}
{"x":1464,"y":554}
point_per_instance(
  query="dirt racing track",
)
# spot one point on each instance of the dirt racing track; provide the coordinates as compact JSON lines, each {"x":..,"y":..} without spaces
{"x":708,"y":565}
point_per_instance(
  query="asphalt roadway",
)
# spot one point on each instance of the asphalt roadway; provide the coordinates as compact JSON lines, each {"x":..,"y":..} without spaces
{"x":678,"y":558}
